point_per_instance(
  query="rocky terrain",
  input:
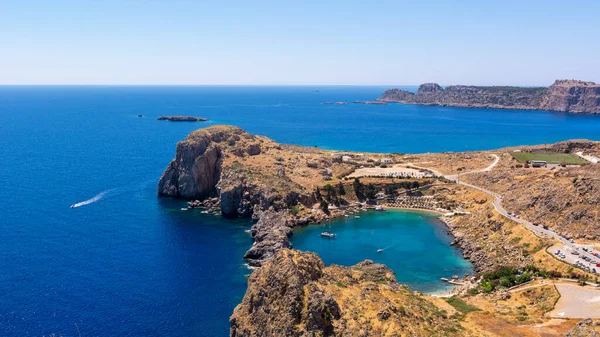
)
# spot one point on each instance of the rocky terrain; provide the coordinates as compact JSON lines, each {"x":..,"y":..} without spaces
{"x":566,"y":199}
{"x":585,"y":328}
{"x":294,"y":294}
{"x":564,"y":95}
{"x":182,"y":119}
{"x":229,"y":171}
{"x":246,"y":175}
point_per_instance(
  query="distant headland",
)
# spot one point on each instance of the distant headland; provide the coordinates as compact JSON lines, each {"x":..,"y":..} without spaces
{"x":182,"y":119}
{"x":564,"y":95}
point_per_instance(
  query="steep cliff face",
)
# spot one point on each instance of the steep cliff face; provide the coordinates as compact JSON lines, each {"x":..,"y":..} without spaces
{"x":573,"y":96}
{"x":195,"y":171}
{"x":294,"y":294}
{"x":563,"y":95}
{"x":211,"y":163}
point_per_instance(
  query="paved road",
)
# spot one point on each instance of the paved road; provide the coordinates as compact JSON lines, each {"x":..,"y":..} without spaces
{"x":537,"y":230}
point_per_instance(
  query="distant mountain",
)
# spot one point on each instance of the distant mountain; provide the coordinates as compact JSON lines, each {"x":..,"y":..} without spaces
{"x":564,"y":95}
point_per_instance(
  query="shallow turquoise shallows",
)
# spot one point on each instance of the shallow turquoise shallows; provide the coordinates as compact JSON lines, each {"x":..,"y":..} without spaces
{"x":415,"y":245}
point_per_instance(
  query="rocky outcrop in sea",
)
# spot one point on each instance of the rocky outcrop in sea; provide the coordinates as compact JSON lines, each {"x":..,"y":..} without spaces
{"x":182,"y":119}
{"x":564,"y":95}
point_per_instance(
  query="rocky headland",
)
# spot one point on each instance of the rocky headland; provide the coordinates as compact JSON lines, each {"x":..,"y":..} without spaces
{"x":182,"y":119}
{"x":294,"y":294}
{"x":237,"y":174}
{"x":564,"y":95}
{"x":246,"y":175}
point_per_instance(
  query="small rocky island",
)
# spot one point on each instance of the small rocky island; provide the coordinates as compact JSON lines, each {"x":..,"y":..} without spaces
{"x":564,"y":95}
{"x":182,"y":119}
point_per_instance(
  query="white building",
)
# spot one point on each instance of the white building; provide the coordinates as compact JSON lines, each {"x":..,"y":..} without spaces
{"x":386,"y":160}
{"x":347,"y":159}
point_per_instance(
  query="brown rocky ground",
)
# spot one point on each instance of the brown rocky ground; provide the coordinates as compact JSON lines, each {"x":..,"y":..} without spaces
{"x":246,"y":175}
{"x":294,"y":294}
{"x":565,"y":199}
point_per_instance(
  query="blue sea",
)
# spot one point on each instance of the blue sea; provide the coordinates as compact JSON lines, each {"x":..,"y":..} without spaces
{"x":127,"y":263}
{"x":413,"y":244}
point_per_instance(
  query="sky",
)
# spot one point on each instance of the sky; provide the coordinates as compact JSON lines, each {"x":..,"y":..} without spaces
{"x":185,"y":42}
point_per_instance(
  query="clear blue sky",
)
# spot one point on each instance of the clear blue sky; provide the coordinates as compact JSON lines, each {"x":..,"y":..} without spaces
{"x":525,"y":42}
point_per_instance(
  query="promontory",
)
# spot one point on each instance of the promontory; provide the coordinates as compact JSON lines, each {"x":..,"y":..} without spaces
{"x":564,"y":95}
{"x":516,"y":213}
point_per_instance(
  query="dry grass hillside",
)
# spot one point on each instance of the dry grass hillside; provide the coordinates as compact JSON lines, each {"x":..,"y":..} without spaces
{"x":564,"y":198}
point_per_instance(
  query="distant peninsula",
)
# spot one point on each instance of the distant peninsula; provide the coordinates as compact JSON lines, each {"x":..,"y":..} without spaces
{"x":182,"y":119}
{"x":564,"y":95}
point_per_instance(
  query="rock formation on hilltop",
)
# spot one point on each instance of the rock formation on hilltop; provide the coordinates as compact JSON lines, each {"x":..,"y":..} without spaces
{"x":294,"y":294}
{"x":564,"y":95}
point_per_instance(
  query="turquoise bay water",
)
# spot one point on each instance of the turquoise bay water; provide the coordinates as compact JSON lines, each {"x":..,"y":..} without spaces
{"x":132,"y":264}
{"x":415,"y":245}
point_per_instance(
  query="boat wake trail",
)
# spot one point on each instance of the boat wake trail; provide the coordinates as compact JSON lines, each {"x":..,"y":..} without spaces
{"x":388,"y":247}
{"x":91,"y":200}
{"x":114,"y":192}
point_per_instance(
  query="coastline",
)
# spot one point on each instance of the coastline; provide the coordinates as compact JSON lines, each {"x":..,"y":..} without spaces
{"x":438,"y":213}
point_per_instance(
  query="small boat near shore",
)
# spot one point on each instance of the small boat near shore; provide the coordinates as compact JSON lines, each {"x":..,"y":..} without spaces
{"x":379,"y":208}
{"x":328,"y":235}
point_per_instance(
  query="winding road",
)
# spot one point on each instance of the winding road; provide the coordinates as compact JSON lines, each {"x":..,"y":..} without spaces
{"x":537,"y":230}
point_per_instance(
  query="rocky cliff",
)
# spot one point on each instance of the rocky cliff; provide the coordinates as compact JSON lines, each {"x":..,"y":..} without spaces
{"x":246,"y":175}
{"x":212,"y":162}
{"x":294,"y":294}
{"x":564,"y":95}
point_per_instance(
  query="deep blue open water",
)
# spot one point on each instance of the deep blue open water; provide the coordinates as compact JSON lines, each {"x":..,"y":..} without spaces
{"x":131,"y":264}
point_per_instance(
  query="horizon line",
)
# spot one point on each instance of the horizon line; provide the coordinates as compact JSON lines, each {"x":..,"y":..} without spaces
{"x":253,"y":85}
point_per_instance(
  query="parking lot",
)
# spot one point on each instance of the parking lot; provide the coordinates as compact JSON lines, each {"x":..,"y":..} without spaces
{"x":575,"y":257}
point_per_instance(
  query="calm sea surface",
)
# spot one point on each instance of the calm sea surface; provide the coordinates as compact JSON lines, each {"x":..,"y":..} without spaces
{"x":129,"y":264}
{"x":413,"y":244}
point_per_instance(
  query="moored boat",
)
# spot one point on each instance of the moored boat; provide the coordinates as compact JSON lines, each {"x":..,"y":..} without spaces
{"x":328,"y":235}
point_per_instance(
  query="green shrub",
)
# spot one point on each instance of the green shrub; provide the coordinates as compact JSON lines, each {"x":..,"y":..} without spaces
{"x":461,"y":305}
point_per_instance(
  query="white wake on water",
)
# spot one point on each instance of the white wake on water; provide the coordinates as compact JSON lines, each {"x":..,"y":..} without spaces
{"x":91,"y":200}
{"x":113,"y":192}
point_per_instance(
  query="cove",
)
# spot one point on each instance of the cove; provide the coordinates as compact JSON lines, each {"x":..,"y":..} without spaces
{"x":415,"y":246}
